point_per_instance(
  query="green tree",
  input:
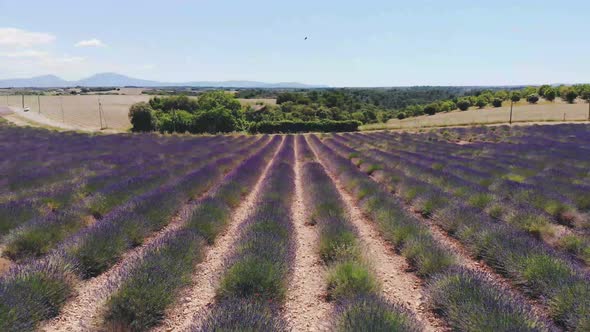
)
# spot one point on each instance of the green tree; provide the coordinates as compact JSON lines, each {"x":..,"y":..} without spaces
{"x":216,"y":120}
{"x":502,"y":95}
{"x":568,"y":94}
{"x":214,"y":99}
{"x":431,"y":109}
{"x":482,"y":101}
{"x":142,"y":117}
{"x":171,"y":103}
{"x":497,"y":102}
{"x":447,"y":106}
{"x":515,"y":96}
{"x":533,"y":99}
{"x":543,"y":89}
{"x":584,"y":92}
{"x":529,"y":90}
{"x":487,"y":96}
{"x":464,"y":104}
{"x":550,"y":94}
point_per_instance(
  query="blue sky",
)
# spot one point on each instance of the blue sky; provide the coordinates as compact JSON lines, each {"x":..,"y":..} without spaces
{"x":351,"y":43}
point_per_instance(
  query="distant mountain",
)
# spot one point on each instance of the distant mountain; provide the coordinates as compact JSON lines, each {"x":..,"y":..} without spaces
{"x":112,"y":79}
{"x":38,"y":81}
{"x":118,"y":80}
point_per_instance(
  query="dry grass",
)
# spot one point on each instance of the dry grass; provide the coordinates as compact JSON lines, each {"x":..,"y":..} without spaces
{"x":267,"y":101}
{"x":522,"y":113}
{"x":81,"y":111}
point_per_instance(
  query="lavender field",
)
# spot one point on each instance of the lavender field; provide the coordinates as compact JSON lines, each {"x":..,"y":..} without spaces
{"x":470,"y":229}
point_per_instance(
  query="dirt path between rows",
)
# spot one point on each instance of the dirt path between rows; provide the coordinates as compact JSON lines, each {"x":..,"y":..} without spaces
{"x":464,"y":259}
{"x":399,"y":286}
{"x":306,"y":308}
{"x":200,"y":295}
{"x":84,"y":312}
{"x":5,"y":264}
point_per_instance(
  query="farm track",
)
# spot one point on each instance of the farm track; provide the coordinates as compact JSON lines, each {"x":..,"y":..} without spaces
{"x":391,"y":269}
{"x":85,"y":310}
{"x":306,"y":307}
{"x":200,"y":295}
{"x":464,"y":259}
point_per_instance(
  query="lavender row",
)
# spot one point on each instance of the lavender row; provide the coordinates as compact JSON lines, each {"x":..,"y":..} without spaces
{"x":42,"y":234}
{"x":99,"y":247}
{"x":429,"y":260}
{"x":47,"y":158}
{"x":151,"y":285}
{"x":535,"y":267}
{"x":412,"y":180}
{"x":57,"y":197}
{"x":350,"y":281}
{"x":529,"y":163}
{"x":255,"y":280}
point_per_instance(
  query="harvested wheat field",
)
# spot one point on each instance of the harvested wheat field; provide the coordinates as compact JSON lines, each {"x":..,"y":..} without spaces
{"x":522,"y":112}
{"x":81,"y":112}
{"x":463,"y":229}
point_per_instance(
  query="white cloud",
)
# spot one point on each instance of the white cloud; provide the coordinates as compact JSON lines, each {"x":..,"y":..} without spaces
{"x":24,"y":54}
{"x":90,"y":43}
{"x":20,"y":38}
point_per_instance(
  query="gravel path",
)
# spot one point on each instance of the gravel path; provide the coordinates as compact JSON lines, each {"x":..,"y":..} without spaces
{"x":84,"y":312}
{"x":306,"y":308}
{"x":399,"y":286}
{"x":201,"y":294}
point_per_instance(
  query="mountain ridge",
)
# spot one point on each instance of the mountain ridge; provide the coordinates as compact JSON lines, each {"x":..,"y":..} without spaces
{"x":119,"y":80}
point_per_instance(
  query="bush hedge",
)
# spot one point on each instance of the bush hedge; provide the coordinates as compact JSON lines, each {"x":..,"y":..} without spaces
{"x":271,"y":127}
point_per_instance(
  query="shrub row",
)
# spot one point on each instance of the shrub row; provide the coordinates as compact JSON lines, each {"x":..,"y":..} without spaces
{"x":40,"y":235}
{"x":102,"y":245}
{"x":538,"y":269}
{"x":429,"y":260}
{"x":99,"y":247}
{"x":350,"y":281}
{"x":521,"y":205}
{"x":60,"y":210}
{"x":258,"y":270}
{"x":270,"y":127}
{"x":152,"y":285}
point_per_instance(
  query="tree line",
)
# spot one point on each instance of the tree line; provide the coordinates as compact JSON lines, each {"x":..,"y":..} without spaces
{"x":482,"y":99}
{"x":325,"y":109}
{"x":219,"y":112}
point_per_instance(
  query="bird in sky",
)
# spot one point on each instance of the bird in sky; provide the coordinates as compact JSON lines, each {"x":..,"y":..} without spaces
{"x":305,"y":38}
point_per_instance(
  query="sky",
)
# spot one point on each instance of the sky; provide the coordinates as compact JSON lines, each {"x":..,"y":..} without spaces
{"x":350,"y":43}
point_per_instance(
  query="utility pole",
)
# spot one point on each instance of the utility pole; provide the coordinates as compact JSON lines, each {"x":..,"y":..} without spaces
{"x":100,"y":112}
{"x":39,"y":102}
{"x":61,"y":102}
{"x":511,"y":105}
{"x":23,"y":99}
